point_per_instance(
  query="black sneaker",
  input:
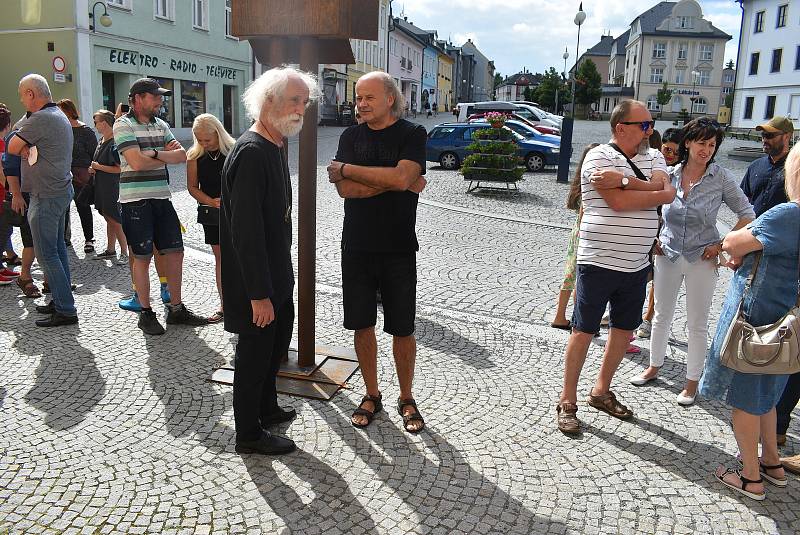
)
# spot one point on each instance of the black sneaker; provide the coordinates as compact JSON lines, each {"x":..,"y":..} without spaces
{"x":149,"y":324}
{"x":182,"y":315}
{"x":49,"y":308}
{"x":267,"y":444}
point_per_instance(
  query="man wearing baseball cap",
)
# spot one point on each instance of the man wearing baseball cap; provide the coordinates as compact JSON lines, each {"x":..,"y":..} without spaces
{"x":146,"y":145}
{"x":763,"y":181}
{"x":763,"y":185}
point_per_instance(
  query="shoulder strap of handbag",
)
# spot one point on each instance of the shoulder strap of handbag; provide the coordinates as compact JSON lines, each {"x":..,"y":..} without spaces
{"x":636,"y":170}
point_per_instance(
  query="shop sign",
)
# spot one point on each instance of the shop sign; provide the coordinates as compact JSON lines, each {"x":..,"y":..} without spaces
{"x":137,"y":59}
{"x":686,"y":92}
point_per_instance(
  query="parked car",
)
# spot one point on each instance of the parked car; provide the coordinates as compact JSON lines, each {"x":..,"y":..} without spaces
{"x":447,"y":145}
{"x":539,"y":127}
{"x":525,"y":130}
{"x":553,"y":117}
{"x":539,"y":116}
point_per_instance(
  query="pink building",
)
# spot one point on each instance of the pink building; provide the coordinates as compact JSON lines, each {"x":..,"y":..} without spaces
{"x":405,"y":61}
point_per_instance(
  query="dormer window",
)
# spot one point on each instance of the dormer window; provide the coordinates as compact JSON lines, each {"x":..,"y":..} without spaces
{"x":684,"y":22}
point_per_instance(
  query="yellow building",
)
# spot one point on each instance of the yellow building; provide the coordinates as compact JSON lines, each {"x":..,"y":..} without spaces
{"x":444,"y":82}
{"x":369,"y":55}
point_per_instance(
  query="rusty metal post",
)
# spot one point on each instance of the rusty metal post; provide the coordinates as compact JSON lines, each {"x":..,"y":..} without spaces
{"x":307,"y":217}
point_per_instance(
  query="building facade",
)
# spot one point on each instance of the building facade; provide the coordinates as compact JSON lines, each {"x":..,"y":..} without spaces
{"x":513,"y":87}
{"x":430,"y":73}
{"x":444,"y":83}
{"x":405,"y":62}
{"x":369,"y":55}
{"x":481,"y":83}
{"x":196,"y":56}
{"x":768,"y":64}
{"x":673,"y":43}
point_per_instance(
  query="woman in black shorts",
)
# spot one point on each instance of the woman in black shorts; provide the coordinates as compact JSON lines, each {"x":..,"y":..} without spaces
{"x":204,"y":161}
{"x":105,"y":168}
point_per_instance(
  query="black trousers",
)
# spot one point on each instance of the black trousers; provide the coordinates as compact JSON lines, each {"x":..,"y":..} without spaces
{"x":787,"y":403}
{"x":85,"y":214}
{"x":258,"y":359}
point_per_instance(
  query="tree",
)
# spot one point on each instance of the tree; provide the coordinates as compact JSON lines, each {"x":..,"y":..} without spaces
{"x":663,"y":97}
{"x":498,"y":80}
{"x":588,"y":84}
{"x":528,"y":94}
{"x":545,"y":94}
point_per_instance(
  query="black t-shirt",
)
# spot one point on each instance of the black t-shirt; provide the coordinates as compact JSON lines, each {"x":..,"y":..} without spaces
{"x":209,"y":174}
{"x":383,"y":223}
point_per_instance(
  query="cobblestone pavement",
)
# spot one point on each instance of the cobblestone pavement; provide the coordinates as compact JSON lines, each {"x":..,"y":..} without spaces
{"x":106,"y":431}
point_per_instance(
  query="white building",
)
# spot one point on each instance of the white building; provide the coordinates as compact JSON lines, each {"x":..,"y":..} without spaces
{"x":768,"y":63}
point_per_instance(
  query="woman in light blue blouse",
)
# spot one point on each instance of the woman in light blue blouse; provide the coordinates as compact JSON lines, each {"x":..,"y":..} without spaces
{"x":690,"y":246}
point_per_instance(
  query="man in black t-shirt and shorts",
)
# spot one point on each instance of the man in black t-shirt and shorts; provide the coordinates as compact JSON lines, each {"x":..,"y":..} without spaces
{"x":377,"y":171}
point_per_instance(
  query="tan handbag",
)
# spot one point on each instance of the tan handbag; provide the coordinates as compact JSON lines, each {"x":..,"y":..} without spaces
{"x":768,"y":350}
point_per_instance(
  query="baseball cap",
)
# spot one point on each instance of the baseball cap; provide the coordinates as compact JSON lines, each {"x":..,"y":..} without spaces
{"x":777,"y":124}
{"x":148,"y":85}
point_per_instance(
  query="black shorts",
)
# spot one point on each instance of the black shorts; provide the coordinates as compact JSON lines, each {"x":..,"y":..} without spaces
{"x":151,"y":222}
{"x":395,"y":275}
{"x":212,"y":234}
{"x":597,"y":287}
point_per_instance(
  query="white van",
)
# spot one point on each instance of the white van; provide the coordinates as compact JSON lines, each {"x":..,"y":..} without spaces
{"x":466,"y":109}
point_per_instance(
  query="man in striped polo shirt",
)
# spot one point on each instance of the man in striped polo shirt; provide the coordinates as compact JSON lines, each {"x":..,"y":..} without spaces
{"x":622,"y":184}
{"x":146,"y":145}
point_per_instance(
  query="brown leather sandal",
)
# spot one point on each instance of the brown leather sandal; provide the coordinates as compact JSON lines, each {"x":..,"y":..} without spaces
{"x":28,"y":288}
{"x":412,"y":417}
{"x":608,"y":403}
{"x":361,"y":411}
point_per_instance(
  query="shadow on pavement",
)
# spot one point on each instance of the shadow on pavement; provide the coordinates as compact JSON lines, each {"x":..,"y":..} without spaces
{"x":438,"y":485}
{"x":179,"y":373}
{"x":68,"y":384}
{"x":2,"y":395}
{"x":324,"y":502}
{"x":438,"y":337}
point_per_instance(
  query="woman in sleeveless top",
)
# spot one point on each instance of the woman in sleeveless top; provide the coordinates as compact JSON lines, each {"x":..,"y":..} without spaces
{"x":204,"y":162}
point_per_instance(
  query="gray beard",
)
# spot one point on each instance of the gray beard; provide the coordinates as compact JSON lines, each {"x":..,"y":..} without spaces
{"x":286,"y":126}
{"x":643,"y":147}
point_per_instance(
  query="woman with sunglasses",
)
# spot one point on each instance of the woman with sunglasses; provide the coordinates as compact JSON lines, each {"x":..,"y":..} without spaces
{"x":689,"y":248}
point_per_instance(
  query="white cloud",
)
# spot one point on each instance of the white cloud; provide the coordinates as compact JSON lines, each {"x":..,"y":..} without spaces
{"x":534,"y":33}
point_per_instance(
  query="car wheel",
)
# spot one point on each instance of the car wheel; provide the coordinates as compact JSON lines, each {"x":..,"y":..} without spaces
{"x":449,"y":161}
{"x":534,"y":162}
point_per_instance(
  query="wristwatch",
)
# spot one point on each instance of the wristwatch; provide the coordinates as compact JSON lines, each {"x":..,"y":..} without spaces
{"x":625,"y":182}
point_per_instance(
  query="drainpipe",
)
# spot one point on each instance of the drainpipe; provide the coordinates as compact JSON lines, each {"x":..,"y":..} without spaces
{"x":738,"y":61}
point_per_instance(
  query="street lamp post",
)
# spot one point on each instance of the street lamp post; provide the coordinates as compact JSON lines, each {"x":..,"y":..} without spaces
{"x":105,"y":18}
{"x":580,"y":16}
{"x":563,"y":73}
{"x":693,"y":98}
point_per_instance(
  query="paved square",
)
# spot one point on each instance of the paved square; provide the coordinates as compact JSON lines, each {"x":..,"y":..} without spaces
{"x":105,"y":430}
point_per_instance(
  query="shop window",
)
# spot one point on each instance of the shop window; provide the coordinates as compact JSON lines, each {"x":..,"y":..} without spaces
{"x":193,"y":101}
{"x":107,"y":82}
{"x":748,"y":107}
{"x":166,"y":113}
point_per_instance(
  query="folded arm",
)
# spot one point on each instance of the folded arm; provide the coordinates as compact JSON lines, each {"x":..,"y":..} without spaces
{"x":398,"y":178}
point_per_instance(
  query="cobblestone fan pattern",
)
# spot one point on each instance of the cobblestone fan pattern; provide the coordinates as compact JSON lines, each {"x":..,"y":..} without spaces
{"x":105,"y":430}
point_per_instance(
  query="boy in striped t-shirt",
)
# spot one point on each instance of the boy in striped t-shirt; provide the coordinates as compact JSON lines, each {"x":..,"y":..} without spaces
{"x":623,"y":183}
{"x":146,"y":145}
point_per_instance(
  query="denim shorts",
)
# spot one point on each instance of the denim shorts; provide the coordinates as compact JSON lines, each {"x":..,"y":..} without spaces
{"x":151,"y":222}
{"x":623,"y":292}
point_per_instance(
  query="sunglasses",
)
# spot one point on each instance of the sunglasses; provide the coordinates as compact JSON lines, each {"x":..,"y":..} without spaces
{"x":770,"y":135}
{"x":644,"y":125}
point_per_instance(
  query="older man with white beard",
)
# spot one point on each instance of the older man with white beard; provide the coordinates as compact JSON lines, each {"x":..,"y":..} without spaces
{"x":255,"y":243}
{"x":622,"y":184}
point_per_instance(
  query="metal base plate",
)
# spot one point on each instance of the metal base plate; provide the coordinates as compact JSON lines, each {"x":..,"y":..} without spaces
{"x":333,"y":368}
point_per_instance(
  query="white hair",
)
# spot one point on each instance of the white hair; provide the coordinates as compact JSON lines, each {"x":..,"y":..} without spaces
{"x":272,"y":84}
{"x":38,"y":84}
{"x":391,"y":88}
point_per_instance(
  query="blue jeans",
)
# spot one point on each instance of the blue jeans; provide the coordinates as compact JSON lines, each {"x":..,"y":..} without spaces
{"x":46,"y":218}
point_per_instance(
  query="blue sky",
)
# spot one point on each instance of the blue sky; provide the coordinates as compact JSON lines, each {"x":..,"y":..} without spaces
{"x":534,"y":33}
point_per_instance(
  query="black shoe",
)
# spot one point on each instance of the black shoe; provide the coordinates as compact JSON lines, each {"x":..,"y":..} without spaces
{"x":268,"y":444}
{"x":57,"y":319}
{"x":49,"y":308}
{"x":46,"y":288}
{"x":279,"y":416}
{"x":149,"y":324}
{"x":182,"y":315}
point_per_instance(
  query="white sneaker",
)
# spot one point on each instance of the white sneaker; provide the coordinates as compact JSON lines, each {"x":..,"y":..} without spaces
{"x":122,"y":260}
{"x":644,"y":329}
{"x":685,"y":401}
{"x":639,"y":380}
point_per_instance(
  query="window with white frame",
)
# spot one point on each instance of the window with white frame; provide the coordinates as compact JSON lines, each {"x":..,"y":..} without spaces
{"x":680,"y":76}
{"x":228,"y":18}
{"x":376,"y":59}
{"x":700,"y":105}
{"x":758,"y":25}
{"x":683,"y":51}
{"x":677,"y":103}
{"x":124,"y":4}
{"x":727,"y":90}
{"x":703,"y":77}
{"x":652,"y":103}
{"x":780,"y":21}
{"x":367,"y":53}
{"x":659,"y":50}
{"x":656,"y":75}
{"x":200,"y":14}
{"x":706,"y":52}
{"x":728,"y":77}
{"x":164,"y":9}
{"x":684,"y":22}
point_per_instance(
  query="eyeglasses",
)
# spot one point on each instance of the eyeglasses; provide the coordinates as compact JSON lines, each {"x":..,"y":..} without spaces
{"x":645,"y":125}
{"x":770,"y":135}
